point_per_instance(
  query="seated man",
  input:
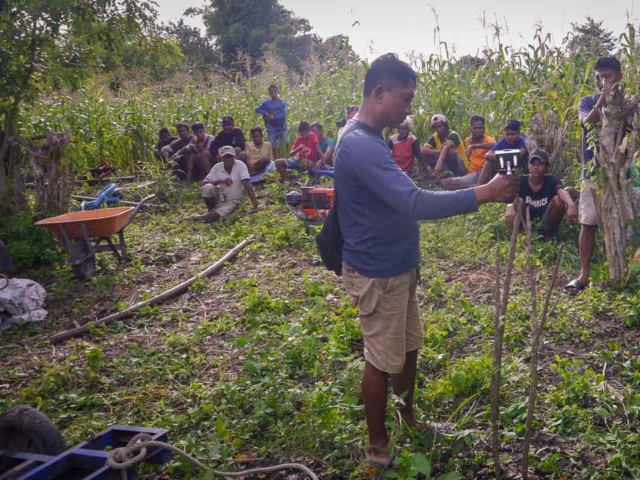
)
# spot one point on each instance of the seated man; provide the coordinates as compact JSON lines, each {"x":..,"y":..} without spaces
{"x":258,"y":154}
{"x":178,"y":150}
{"x":327,"y":146}
{"x":165,"y":139}
{"x":229,"y":136}
{"x":511,"y":140}
{"x":476,"y":148}
{"x":444,"y":150}
{"x":222,"y":187}
{"x":199,"y":161}
{"x":304,"y":153}
{"x":404,"y":147}
{"x":544,"y":196}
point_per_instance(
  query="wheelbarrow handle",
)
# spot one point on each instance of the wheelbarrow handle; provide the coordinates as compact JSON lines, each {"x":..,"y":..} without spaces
{"x":135,"y":210}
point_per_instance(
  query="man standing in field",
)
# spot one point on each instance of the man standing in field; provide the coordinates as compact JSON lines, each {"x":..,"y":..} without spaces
{"x":379,"y":208}
{"x":274,"y":113}
{"x":590,"y":112}
{"x":476,"y":147}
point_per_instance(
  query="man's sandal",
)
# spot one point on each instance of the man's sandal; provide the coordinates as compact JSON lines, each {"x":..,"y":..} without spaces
{"x":575,"y":286}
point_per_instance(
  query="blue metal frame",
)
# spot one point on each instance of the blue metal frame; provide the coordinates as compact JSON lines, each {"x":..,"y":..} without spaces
{"x":88,"y":459}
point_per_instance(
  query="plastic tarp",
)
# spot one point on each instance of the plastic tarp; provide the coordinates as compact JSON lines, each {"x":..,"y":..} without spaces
{"x":21,"y":300}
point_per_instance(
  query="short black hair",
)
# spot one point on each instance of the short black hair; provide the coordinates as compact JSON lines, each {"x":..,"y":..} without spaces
{"x":180,"y":125}
{"x":512,"y":125}
{"x":304,"y":127}
{"x":608,"y":63}
{"x":317,"y":125}
{"x":197,"y":126}
{"x":164,"y":130}
{"x":255,"y":129}
{"x":273,"y":85}
{"x":477,"y":118}
{"x":388,"y":67}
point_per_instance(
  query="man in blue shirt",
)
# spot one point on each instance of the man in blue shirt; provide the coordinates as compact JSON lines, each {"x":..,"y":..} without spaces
{"x":511,"y":140}
{"x":379,"y":209}
{"x":590,"y":112}
{"x":274,"y":113}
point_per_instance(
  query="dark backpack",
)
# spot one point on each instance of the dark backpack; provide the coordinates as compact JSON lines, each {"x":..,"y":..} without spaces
{"x":330,"y":240}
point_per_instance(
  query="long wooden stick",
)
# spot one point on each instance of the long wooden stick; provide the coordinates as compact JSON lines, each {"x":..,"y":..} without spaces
{"x":498,"y":335}
{"x":183,"y":287}
{"x":536,"y":334}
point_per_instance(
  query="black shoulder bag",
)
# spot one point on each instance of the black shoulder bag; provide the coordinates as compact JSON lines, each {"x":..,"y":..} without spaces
{"x":330,"y":240}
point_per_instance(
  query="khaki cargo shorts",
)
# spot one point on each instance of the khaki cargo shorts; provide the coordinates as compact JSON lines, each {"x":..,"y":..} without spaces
{"x":223,"y":207}
{"x":389,"y":316}
{"x":588,"y":203}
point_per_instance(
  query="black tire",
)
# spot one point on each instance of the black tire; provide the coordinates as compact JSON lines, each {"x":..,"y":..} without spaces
{"x":25,"y":429}
{"x":86,"y":269}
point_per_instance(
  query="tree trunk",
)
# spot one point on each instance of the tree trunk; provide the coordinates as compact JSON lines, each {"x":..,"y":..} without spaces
{"x":615,"y":154}
{"x":546,"y":134}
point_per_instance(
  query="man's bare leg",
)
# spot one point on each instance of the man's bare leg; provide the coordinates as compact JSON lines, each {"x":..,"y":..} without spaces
{"x":374,"y":392}
{"x":586,"y":243}
{"x":190,"y":164}
{"x":281,"y":166}
{"x":404,"y":384}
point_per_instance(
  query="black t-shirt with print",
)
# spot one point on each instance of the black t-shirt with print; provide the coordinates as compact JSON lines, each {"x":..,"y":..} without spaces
{"x":540,"y":200}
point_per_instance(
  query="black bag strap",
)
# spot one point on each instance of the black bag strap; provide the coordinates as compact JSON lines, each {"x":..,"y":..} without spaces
{"x":348,"y":130}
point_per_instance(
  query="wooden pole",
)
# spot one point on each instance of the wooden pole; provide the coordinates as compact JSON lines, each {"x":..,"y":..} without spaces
{"x":183,"y":287}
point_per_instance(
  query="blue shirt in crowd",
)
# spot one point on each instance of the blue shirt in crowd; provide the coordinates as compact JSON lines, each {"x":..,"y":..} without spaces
{"x":379,"y":206}
{"x":276,"y":108}
{"x":502,"y":144}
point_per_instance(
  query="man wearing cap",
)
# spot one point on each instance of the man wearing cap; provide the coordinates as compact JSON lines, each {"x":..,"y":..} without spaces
{"x":222,"y":187}
{"x":544,"y":196}
{"x":444,"y":151}
{"x":229,"y":136}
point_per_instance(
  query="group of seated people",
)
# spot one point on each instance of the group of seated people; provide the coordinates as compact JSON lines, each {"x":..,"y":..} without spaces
{"x":227,"y":164}
{"x":457,"y":165}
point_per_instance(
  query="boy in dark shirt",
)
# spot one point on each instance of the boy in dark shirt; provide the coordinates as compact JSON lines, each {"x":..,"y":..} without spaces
{"x":274,"y":113}
{"x":165,"y":138}
{"x":544,"y":196}
{"x":229,"y":136}
{"x":510,"y":140}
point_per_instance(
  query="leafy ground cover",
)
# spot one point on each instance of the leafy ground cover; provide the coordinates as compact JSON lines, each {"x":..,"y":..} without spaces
{"x":263,"y":361}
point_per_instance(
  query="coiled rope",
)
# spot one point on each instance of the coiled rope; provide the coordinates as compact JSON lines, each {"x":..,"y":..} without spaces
{"x":124,"y":458}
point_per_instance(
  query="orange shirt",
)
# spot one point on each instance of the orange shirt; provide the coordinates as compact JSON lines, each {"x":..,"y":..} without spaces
{"x":476,"y":159}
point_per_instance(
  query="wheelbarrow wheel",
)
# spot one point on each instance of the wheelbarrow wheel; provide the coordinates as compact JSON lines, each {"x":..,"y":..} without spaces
{"x":86,"y":269}
{"x":25,"y":429}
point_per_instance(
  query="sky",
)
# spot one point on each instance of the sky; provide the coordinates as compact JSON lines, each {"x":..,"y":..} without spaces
{"x":376,"y":27}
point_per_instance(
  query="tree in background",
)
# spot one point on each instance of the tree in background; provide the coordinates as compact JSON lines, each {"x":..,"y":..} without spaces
{"x":591,"y":37}
{"x":48,"y":44}
{"x":254,"y":27}
{"x":198,"y":49}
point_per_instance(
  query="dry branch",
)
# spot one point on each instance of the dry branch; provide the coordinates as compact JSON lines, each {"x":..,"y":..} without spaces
{"x":183,"y":287}
{"x":498,"y":335}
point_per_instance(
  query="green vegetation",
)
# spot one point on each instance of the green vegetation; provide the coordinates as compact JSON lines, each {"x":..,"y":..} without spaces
{"x":265,"y":359}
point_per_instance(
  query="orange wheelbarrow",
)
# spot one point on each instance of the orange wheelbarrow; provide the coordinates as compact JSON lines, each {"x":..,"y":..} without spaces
{"x":82,"y":234}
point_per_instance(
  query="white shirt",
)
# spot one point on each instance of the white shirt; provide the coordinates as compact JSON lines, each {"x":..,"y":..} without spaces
{"x":239,"y":172}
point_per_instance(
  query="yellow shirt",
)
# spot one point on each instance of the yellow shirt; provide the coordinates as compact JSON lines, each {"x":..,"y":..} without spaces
{"x":476,"y":159}
{"x":437,"y":144}
{"x":256,"y":153}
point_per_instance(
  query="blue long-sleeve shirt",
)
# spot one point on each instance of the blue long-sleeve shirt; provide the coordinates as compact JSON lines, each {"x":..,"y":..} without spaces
{"x":379,"y":206}
{"x":276,"y":108}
